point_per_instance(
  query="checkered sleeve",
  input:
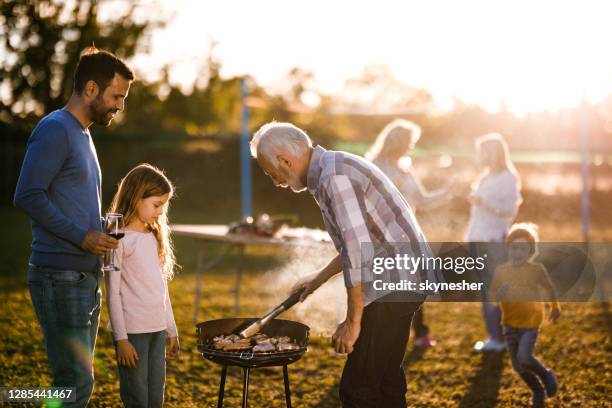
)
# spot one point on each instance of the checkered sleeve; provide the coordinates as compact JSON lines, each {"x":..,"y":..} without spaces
{"x":351,"y":223}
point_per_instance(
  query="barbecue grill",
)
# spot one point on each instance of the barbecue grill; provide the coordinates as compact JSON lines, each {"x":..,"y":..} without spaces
{"x":206,"y":331}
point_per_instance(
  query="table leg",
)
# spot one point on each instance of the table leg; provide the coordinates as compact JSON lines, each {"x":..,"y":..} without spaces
{"x":198,"y":278}
{"x":202,"y":267}
{"x":238,"y":279}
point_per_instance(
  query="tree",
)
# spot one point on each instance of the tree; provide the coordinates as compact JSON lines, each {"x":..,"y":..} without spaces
{"x":377,"y":91}
{"x":40,"y":42}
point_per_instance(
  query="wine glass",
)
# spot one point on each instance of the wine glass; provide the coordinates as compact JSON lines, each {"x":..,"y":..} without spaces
{"x":113,"y":226}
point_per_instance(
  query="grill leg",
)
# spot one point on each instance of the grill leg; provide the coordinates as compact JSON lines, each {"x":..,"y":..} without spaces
{"x":287,"y":390}
{"x":245,"y":388}
{"x":222,"y":387}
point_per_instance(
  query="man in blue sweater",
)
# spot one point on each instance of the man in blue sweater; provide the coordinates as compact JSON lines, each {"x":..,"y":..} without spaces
{"x":59,"y":189}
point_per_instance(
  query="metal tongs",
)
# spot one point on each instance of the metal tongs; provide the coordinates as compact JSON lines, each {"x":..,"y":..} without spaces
{"x":254,"y":327}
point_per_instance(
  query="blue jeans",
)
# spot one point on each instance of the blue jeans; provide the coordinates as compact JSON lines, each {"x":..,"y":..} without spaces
{"x":67,"y":305}
{"x":521,"y":345}
{"x":143,"y":385}
{"x":491,"y":312}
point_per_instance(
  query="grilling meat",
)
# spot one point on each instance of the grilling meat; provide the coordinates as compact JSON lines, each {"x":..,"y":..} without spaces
{"x":221,"y":343}
{"x":287,"y":346}
{"x":237,"y":346}
{"x":258,"y":343}
{"x":264,"y":348}
{"x":260,"y":338}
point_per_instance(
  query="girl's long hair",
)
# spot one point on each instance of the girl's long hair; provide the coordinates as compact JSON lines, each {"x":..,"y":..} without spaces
{"x":494,"y":145}
{"x":145,"y":181}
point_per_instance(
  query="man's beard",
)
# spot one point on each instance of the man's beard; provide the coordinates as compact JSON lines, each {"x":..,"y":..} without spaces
{"x":100,"y":113}
{"x":295,"y":184}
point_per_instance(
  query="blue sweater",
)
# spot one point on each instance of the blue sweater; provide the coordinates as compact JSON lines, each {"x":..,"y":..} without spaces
{"x":59,"y":189}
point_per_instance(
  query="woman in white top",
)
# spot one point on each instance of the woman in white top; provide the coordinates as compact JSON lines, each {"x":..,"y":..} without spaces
{"x":495,"y":199}
{"x":390,"y":152}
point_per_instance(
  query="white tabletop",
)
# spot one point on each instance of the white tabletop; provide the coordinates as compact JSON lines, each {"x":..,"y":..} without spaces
{"x":285,"y":236}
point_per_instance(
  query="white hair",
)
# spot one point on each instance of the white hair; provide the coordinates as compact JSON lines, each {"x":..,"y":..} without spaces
{"x":279,"y":137}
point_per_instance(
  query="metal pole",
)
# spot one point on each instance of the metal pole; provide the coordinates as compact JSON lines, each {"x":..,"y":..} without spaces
{"x":245,"y":154}
{"x":585,"y":131}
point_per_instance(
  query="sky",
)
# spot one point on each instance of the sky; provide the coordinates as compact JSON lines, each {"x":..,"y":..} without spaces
{"x":528,"y":55}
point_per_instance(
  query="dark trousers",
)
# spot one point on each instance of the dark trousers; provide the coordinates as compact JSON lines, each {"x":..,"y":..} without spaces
{"x":67,"y":305}
{"x":521,"y":345}
{"x":143,"y":385}
{"x":373,"y":375}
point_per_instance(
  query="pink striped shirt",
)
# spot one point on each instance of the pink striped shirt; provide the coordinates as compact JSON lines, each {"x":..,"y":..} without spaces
{"x":137,"y":295}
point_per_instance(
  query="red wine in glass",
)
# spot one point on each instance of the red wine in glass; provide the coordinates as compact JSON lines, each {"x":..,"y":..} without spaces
{"x":113,"y":226}
{"x":117,"y":235}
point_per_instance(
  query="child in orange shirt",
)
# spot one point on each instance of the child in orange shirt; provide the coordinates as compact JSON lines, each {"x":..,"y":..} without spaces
{"x":518,"y":285}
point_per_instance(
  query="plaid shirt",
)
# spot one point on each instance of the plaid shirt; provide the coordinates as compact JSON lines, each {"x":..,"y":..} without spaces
{"x":361,"y":205}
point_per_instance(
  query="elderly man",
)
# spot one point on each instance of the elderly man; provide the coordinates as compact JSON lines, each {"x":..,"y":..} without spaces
{"x":360,"y":205}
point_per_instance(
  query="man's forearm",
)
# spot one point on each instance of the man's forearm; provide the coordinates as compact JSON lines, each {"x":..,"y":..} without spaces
{"x":36,"y":204}
{"x":355,"y":305}
{"x":333,"y":268}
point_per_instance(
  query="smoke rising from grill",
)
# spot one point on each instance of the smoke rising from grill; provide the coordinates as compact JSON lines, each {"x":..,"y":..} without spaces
{"x":326,"y":307}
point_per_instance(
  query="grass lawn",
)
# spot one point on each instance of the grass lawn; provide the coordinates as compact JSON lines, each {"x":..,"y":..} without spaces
{"x":578,"y":346}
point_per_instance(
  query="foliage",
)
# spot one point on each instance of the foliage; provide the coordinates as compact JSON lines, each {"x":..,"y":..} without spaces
{"x":41,"y":42}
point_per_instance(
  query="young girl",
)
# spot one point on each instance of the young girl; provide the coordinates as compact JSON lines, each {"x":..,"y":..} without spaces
{"x":495,"y":200}
{"x":519,"y":284}
{"x":137,"y":295}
